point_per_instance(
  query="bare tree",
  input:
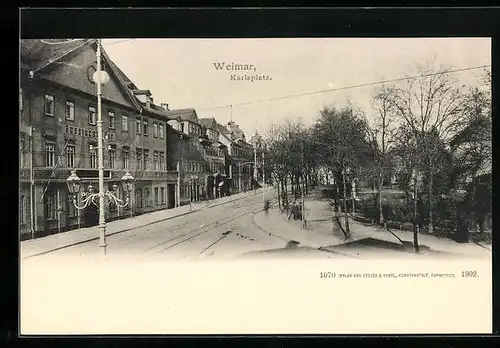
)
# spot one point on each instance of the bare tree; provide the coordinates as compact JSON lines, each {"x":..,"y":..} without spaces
{"x":382,"y":134}
{"x":430,"y":105}
{"x":287,"y":142}
{"x":343,"y":140}
{"x":472,"y":148}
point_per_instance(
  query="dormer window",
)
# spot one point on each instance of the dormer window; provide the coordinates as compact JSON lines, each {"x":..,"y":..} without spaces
{"x":49,"y":105}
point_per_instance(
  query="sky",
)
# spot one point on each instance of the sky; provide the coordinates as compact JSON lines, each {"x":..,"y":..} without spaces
{"x":182,"y":72}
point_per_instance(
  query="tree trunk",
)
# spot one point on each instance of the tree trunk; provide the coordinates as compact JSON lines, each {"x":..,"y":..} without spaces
{"x":415,"y":222}
{"x":346,"y":217}
{"x":353,"y":194}
{"x":381,"y":213}
{"x":285,"y":191}
{"x":279,"y":197}
{"x":298,"y":189}
{"x":431,"y":225}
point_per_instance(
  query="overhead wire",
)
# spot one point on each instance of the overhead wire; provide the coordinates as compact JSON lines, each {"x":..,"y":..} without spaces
{"x":305,"y":93}
{"x":75,"y":40}
{"x":348,"y":87}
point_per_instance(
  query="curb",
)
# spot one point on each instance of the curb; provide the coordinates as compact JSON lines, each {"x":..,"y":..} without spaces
{"x":131,"y":228}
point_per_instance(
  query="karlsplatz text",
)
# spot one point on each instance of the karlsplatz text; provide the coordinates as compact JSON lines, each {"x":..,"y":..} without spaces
{"x":250,"y":78}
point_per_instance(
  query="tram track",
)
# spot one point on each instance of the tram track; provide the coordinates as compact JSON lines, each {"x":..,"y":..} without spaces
{"x":193,"y":233}
{"x":158,"y":237}
{"x":128,"y":234}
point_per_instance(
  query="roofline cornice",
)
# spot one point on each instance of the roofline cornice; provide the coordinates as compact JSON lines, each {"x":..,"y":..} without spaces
{"x":50,"y":62}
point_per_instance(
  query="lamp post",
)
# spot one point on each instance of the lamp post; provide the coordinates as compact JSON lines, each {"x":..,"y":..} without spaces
{"x":100,"y":77}
{"x":73,"y":182}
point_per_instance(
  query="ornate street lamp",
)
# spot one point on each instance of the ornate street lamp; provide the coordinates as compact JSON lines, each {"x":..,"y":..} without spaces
{"x":89,"y":197}
{"x":127,"y":182}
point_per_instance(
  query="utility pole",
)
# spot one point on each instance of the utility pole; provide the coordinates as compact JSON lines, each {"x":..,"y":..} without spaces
{"x":415,"y":211}
{"x":102,"y":221}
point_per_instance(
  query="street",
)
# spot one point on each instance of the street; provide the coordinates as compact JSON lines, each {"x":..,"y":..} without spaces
{"x":222,"y":232}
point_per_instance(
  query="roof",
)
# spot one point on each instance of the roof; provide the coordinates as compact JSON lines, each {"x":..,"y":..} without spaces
{"x":222,"y":129}
{"x":184,"y":115}
{"x":141,"y":91}
{"x":122,"y":78}
{"x":41,"y":53}
{"x":153,"y":109}
{"x":172,"y":129}
{"x":209,"y":123}
{"x":132,"y":90}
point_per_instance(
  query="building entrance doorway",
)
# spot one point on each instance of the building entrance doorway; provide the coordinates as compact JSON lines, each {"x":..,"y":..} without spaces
{"x":170,"y":196}
{"x":91,"y":216}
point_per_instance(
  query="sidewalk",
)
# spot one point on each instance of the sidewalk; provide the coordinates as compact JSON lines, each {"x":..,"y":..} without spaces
{"x":320,"y":231}
{"x":275,"y":224}
{"x":360,"y":231}
{"x":54,"y":242}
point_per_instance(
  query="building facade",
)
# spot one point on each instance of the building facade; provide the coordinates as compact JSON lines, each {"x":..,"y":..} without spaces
{"x":241,"y":156}
{"x":174,"y":157}
{"x":58,"y":134}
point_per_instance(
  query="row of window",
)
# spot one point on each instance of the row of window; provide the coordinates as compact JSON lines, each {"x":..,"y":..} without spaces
{"x":142,"y":197}
{"x":158,"y":127}
{"x":211,"y":151}
{"x":192,"y":129}
{"x":193,"y":191}
{"x":142,"y":157}
{"x":212,"y":135}
{"x":203,"y":167}
{"x":241,"y":152}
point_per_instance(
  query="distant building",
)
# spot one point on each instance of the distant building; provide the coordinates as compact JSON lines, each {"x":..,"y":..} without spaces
{"x":241,"y":154}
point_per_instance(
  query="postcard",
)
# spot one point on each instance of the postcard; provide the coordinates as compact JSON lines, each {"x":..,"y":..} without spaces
{"x":255,"y":186}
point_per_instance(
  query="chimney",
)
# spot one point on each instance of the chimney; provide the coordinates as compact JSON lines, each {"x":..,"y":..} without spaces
{"x":165,"y":106}
{"x":149,"y":101}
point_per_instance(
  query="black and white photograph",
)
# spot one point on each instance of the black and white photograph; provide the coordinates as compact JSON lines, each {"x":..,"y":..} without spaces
{"x":202,"y":153}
